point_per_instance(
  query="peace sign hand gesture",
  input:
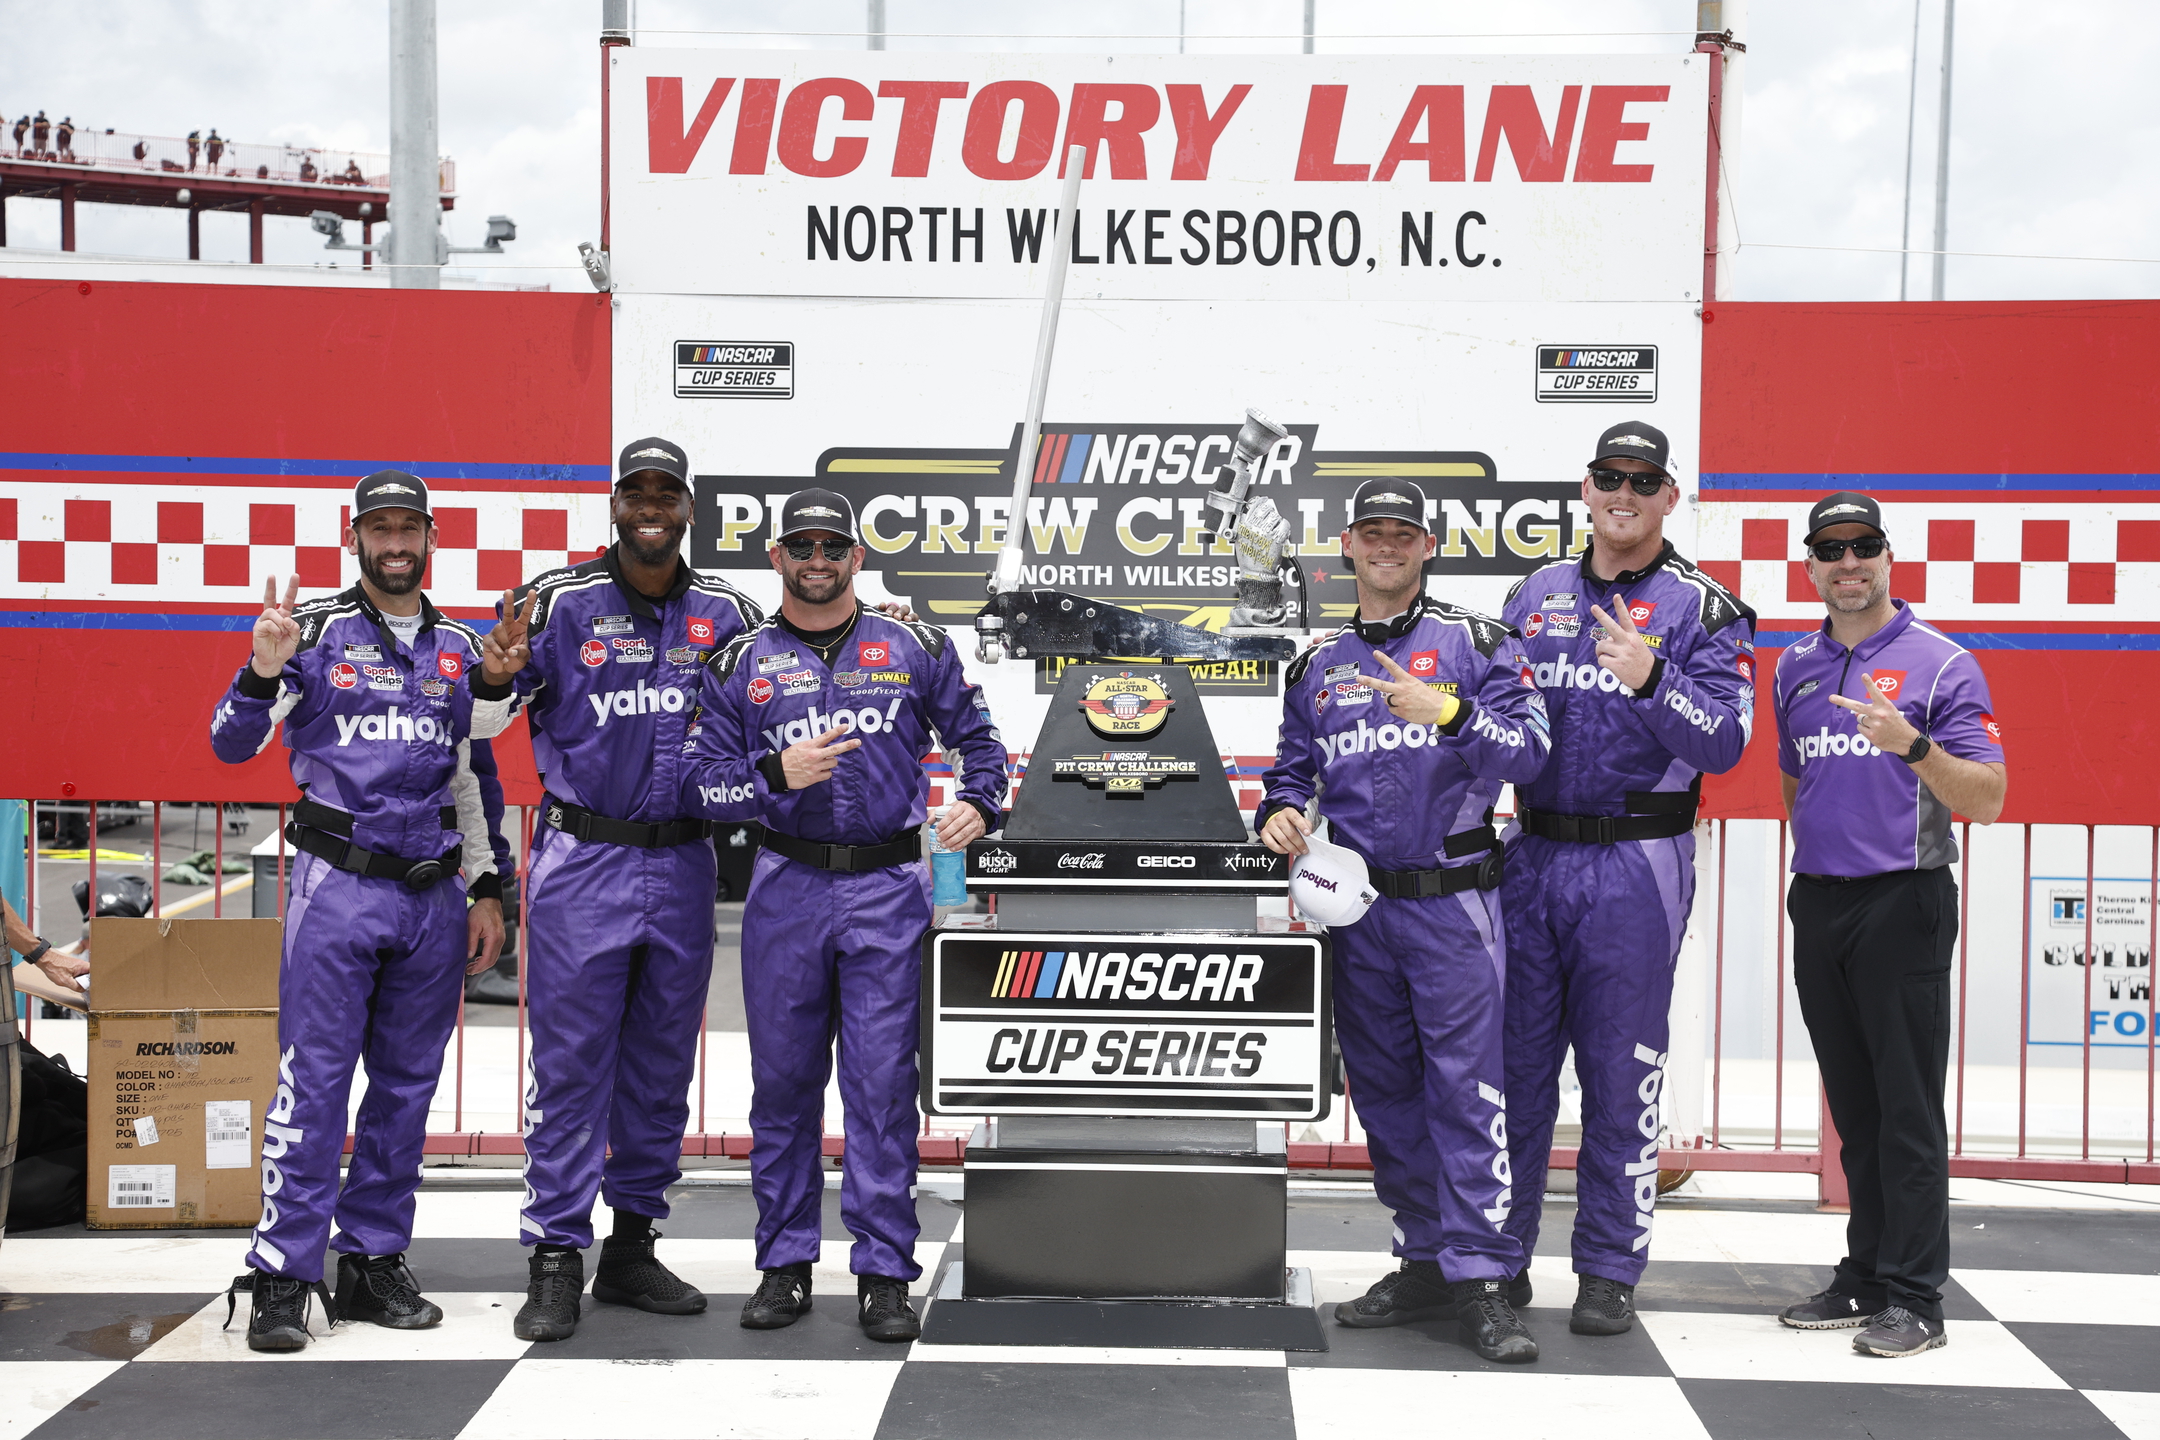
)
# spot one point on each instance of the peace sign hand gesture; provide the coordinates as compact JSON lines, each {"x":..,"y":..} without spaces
{"x":1411,"y":699}
{"x":1620,"y":646}
{"x":504,"y":650}
{"x":277,"y":634}
{"x":1879,"y":721}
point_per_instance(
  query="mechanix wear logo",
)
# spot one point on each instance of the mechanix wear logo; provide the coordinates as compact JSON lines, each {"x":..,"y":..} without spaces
{"x":1126,"y":707}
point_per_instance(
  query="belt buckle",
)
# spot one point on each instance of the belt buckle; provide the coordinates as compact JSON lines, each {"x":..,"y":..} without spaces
{"x":1607,"y":831}
{"x":841,"y":858}
{"x":1489,"y":871}
{"x":423,"y":875}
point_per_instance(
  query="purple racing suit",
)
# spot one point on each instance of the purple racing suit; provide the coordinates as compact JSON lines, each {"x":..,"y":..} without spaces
{"x":371,"y":970}
{"x":828,"y":954}
{"x":619,"y":931}
{"x":1594,"y":925}
{"x":1418,"y":981}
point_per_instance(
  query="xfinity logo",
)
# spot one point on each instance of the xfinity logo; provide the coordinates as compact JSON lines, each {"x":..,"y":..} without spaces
{"x":644,"y":700}
{"x":392,"y":726}
{"x":1244,"y":860}
{"x":1093,"y":860}
{"x":1166,"y":862}
{"x":997,"y":862}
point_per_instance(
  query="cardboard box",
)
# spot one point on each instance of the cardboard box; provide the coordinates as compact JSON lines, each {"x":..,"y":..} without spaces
{"x":183,"y":1068}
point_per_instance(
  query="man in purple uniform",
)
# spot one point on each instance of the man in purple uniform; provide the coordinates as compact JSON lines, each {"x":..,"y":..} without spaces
{"x":620,"y":904}
{"x":1884,"y":729}
{"x":816,"y":722}
{"x":1649,"y":667}
{"x":372,"y":686}
{"x":1406,"y":757}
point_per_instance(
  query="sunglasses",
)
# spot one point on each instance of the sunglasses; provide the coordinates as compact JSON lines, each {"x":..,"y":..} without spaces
{"x":1832,"y":551}
{"x":1609,"y":481}
{"x":804,"y":549}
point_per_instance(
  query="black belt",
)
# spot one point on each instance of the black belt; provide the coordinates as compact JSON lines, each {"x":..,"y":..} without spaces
{"x":1424,"y":884}
{"x":341,"y":852}
{"x":1652,"y":815}
{"x":848,"y":859}
{"x":576,"y":820}
{"x":339,"y":822}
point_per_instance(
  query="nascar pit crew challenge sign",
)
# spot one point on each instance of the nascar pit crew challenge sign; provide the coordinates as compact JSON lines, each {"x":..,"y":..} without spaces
{"x":1222,"y":1026}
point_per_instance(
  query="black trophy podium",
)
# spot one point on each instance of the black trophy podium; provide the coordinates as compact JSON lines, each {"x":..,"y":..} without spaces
{"x":1137,"y":1045}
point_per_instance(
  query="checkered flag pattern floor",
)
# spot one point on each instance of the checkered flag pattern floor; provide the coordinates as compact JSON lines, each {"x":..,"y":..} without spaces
{"x":2054,"y":1323}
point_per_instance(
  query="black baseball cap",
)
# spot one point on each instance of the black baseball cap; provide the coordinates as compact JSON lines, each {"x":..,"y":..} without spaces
{"x":816,"y":510}
{"x":1847,"y":507}
{"x":1633,"y":440}
{"x":653,"y":453}
{"x":390,"y":490}
{"x":1387,"y":498}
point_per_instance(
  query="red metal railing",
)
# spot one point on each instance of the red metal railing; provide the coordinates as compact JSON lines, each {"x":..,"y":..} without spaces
{"x":2041,"y":1146}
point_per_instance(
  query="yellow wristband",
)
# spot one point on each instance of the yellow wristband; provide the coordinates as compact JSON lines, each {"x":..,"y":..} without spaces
{"x":1450,"y":706}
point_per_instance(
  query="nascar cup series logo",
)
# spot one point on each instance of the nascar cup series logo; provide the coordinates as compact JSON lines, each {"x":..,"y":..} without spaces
{"x":1126,"y":706}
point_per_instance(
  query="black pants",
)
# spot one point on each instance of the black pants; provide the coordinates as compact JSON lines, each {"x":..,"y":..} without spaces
{"x":1871,"y":959}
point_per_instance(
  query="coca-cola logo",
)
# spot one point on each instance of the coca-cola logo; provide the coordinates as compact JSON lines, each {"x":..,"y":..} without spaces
{"x":1092,"y":860}
{"x":997,"y":862}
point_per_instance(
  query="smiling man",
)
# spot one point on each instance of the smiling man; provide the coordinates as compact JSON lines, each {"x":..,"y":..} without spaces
{"x":372,"y":686}
{"x":620,"y":890}
{"x":1402,"y":726}
{"x":1649,"y":667}
{"x":1884,"y":728}
{"x":815,"y":722}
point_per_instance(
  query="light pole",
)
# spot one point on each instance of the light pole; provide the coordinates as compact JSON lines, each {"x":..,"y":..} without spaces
{"x":1942,"y":151}
{"x":415,"y":156}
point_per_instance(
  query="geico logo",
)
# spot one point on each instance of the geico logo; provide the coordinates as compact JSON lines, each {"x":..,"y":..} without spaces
{"x":1559,"y":674}
{"x":1822,"y":742}
{"x":1482,"y":722}
{"x":867,"y":721}
{"x":1115,"y":975}
{"x":725,"y":794}
{"x":644,"y":700}
{"x":1644,"y":1167}
{"x":1365,"y":737}
{"x":1166,"y":862}
{"x":1224,"y":1053}
{"x":392,"y":726}
{"x":1694,"y":714}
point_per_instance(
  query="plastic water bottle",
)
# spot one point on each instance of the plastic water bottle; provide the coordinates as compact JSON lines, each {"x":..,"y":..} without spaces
{"x":948,"y":873}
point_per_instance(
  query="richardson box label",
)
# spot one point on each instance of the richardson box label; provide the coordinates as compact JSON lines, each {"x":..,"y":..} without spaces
{"x":1199,"y":1025}
{"x":1596,"y":372}
{"x":734,"y":370}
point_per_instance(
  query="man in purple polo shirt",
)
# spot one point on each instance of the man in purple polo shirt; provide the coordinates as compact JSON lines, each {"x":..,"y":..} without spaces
{"x":1884,"y":729}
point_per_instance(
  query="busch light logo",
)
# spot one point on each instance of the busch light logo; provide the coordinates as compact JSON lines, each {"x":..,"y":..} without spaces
{"x":997,"y":862}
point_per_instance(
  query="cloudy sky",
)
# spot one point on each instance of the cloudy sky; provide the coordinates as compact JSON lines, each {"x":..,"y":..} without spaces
{"x":1821,"y":161}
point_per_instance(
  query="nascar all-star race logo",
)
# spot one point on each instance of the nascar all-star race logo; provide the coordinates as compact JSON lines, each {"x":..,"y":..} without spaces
{"x":1117,"y":511}
{"x":1126,"y":707}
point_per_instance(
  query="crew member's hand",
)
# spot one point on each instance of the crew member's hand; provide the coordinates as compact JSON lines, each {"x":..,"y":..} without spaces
{"x":504,"y":650}
{"x":277,"y":634}
{"x":483,"y":935}
{"x":1411,"y":699}
{"x":897,"y":609}
{"x":810,"y":762}
{"x":1880,"y":723}
{"x":1285,"y":832}
{"x":1620,"y":646}
{"x":959,"y":823}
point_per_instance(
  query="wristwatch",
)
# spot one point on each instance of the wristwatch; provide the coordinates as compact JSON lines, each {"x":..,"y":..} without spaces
{"x":30,"y":957}
{"x":1920,"y":748}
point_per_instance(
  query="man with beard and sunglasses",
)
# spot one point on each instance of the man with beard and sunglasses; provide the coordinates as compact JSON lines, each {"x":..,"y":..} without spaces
{"x":815,"y":722}
{"x":1884,"y":729}
{"x":372,"y":686}
{"x":1649,"y":668}
{"x":603,"y":657}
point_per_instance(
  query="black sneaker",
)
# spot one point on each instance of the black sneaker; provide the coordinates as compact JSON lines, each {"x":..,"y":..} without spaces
{"x":1897,"y":1333}
{"x":884,"y":1310}
{"x":1827,"y":1310}
{"x":381,"y":1290}
{"x":278,"y":1309}
{"x":630,"y":1275}
{"x":1490,"y":1324}
{"x":1414,"y":1292}
{"x":1518,"y":1289}
{"x":783,"y":1297}
{"x":1602,"y":1306}
{"x":552,"y":1296}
